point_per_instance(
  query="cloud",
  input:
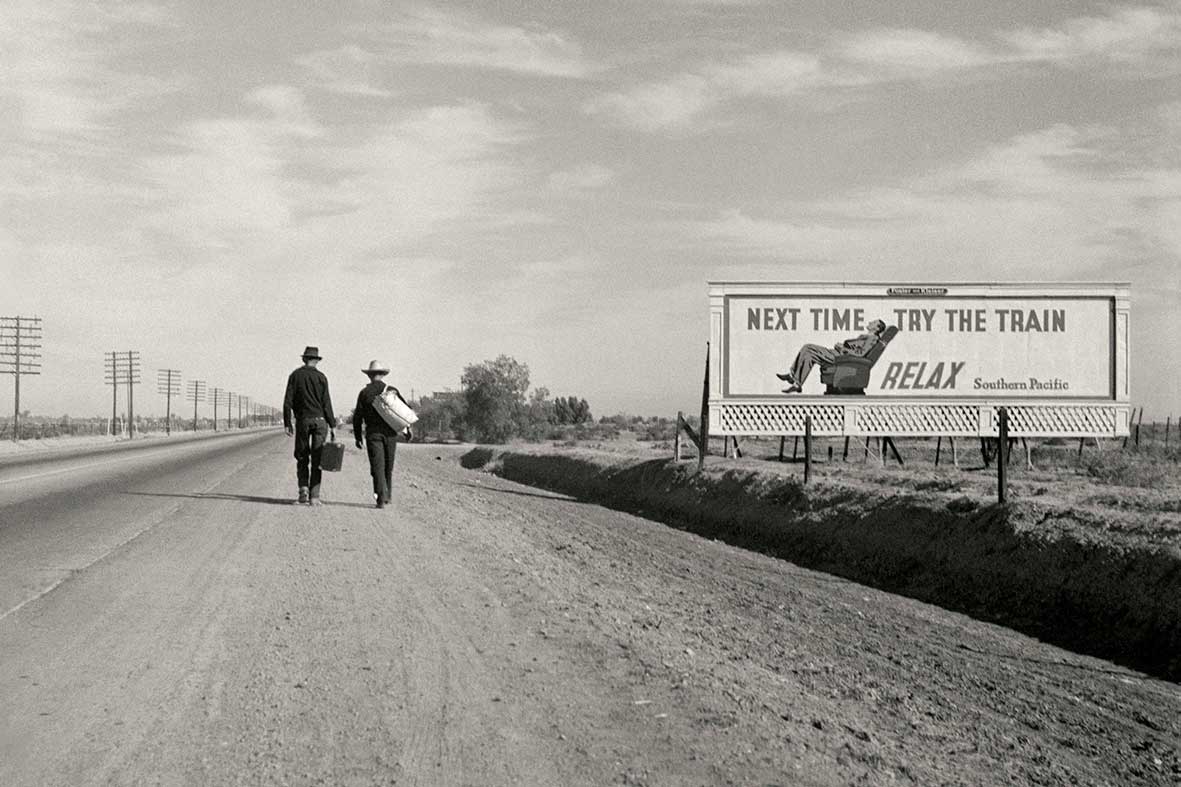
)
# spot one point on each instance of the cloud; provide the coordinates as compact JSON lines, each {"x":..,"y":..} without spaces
{"x":1127,"y":35}
{"x":58,"y":69}
{"x":1063,"y":201}
{"x":565,"y":267}
{"x":288,"y":108}
{"x":657,"y":105}
{"x":1146,"y":38}
{"x":430,"y":35}
{"x":584,"y":177}
{"x":348,"y":69}
{"x":227,"y":180}
{"x":909,"y":53}
{"x":677,"y":103}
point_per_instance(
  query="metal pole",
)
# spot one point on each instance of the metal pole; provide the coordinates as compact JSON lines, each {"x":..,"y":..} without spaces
{"x":1002,"y":460}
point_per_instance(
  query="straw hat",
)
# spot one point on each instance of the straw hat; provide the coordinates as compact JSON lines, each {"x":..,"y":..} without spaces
{"x":376,"y":367}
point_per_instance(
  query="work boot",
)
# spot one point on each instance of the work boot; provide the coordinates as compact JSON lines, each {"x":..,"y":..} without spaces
{"x":787,"y":377}
{"x":303,"y":494}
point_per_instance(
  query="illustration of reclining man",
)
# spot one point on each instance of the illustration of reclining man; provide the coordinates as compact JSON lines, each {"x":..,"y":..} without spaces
{"x":858,"y":347}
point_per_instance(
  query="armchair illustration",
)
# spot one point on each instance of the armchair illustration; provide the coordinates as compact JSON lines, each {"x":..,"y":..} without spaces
{"x":849,"y":374}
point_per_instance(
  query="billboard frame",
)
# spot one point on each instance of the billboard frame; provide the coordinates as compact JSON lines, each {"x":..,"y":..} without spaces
{"x":883,"y":415}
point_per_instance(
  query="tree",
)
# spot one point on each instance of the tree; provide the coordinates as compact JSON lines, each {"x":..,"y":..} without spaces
{"x":440,"y":416}
{"x":494,"y":398}
{"x":571,"y":410}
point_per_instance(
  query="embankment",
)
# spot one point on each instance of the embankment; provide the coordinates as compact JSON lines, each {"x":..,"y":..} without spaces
{"x":1056,"y":573}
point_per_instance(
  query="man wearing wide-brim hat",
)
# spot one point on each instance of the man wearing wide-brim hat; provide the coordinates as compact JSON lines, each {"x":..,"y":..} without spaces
{"x":308,"y":416}
{"x":380,"y":438}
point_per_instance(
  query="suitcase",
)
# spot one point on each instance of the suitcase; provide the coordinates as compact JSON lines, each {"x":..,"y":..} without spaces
{"x":332,"y":457}
{"x":393,"y":410}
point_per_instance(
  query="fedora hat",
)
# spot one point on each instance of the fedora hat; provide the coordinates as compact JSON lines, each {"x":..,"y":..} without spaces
{"x":311,"y":352}
{"x":377,"y":367}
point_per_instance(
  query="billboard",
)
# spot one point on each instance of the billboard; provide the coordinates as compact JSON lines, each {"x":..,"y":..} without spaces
{"x":926,"y":341}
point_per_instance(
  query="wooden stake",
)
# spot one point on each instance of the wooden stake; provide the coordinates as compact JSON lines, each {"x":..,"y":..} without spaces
{"x":845,"y":453}
{"x":782,"y":441}
{"x":938,"y":447}
{"x":955,"y":457}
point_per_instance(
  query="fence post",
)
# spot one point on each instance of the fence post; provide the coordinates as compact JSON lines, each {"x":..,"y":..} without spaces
{"x":1002,"y":460}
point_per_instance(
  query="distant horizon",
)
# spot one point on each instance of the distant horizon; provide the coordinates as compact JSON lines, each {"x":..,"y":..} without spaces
{"x":217,"y":185}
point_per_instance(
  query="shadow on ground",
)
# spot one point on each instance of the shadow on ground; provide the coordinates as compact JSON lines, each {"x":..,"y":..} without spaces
{"x":272,"y":501}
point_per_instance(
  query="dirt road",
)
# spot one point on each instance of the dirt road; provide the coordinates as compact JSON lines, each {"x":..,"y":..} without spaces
{"x":173,"y":619}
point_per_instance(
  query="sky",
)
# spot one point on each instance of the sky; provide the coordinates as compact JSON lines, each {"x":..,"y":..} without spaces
{"x":218,"y":184}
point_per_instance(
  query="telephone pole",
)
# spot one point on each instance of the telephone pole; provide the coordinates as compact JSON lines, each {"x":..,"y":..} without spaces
{"x":195,"y":393}
{"x":123,"y":367}
{"x":20,"y":353}
{"x":168,"y":383}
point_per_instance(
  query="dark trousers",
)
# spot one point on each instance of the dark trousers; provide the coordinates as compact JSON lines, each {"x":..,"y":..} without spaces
{"x":381,"y":449}
{"x":310,"y":436}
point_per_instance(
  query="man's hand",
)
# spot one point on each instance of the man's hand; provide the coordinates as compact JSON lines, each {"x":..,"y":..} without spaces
{"x":332,"y":435}
{"x":360,"y":444}
{"x":290,"y":431}
{"x":408,"y":434}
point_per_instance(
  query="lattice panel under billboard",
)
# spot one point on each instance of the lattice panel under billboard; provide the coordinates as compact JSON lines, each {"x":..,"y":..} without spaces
{"x":900,"y":419}
{"x":1058,"y":420}
{"x":779,"y":419}
{"x":909,"y":419}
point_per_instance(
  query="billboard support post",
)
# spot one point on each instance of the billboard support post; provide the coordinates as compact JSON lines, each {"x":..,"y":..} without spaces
{"x":807,"y":449}
{"x":1002,"y":459}
{"x":704,"y":447}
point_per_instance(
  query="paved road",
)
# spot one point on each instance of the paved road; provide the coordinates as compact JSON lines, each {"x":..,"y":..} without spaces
{"x":168,"y":617}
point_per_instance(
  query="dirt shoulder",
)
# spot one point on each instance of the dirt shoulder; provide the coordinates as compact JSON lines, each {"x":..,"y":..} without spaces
{"x":480,"y":631}
{"x":1095,"y":579}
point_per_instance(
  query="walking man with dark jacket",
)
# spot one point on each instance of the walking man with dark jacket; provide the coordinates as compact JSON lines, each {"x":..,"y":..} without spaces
{"x":307,"y":403}
{"x":381,"y":439}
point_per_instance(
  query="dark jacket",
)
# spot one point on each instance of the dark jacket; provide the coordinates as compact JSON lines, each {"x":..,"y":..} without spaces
{"x":307,"y":397}
{"x":367,"y":415}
